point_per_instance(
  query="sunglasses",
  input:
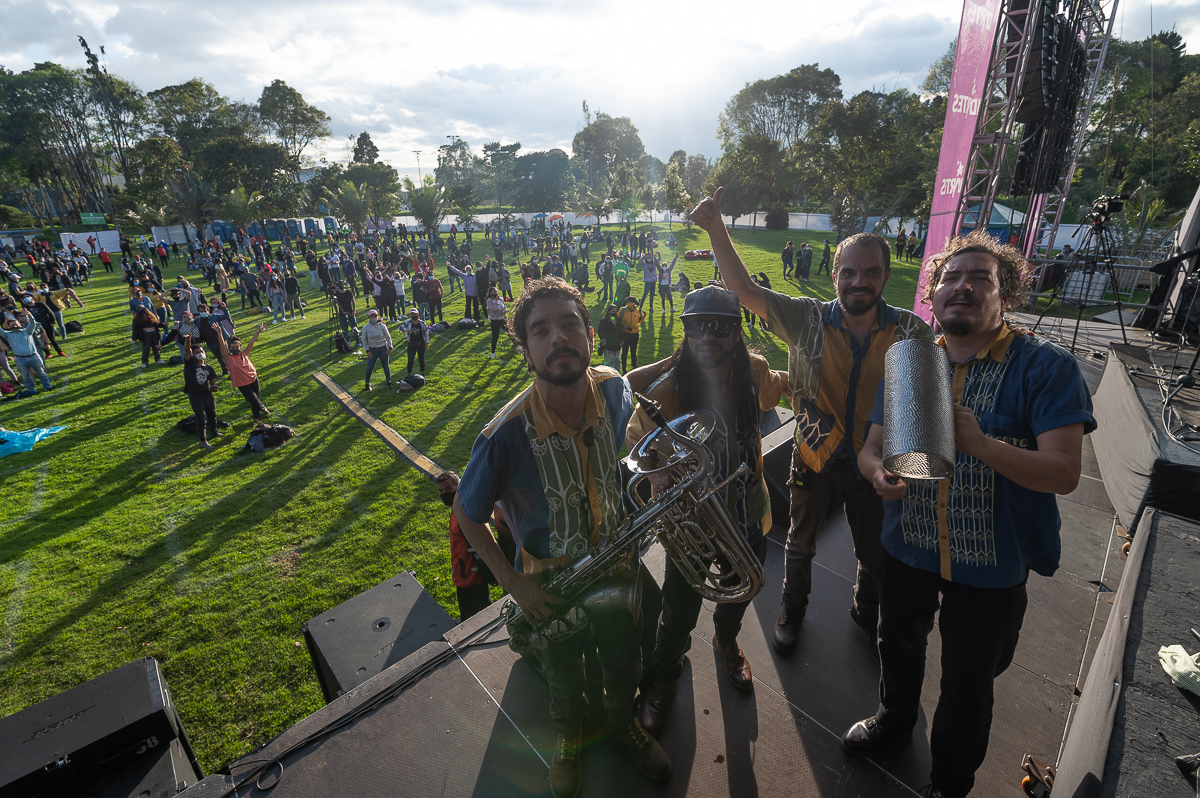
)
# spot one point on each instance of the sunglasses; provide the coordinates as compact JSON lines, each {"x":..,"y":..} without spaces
{"x":720,"y":328}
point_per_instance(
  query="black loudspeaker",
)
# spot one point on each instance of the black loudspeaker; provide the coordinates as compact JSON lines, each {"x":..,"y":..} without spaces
{"x":117,"y":735}
{"x":1041,"y":68}
{"x":777,"y":449}
{"x":367,"y":634}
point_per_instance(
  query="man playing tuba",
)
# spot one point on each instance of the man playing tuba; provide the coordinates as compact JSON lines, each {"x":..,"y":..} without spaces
{"x":711,"y":370}
{"x":549,"y":459}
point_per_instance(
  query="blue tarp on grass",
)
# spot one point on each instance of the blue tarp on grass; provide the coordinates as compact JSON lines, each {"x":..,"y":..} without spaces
{"x":12,"y":441}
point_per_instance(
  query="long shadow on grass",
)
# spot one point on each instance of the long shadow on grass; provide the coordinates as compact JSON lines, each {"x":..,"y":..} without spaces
{"x":221,"y":521}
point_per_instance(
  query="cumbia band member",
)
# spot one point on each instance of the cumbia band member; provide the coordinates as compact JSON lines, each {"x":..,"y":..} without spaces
{"x":966,"y":544}
{"x":711,"y":370}
{"x":549,"y":459}
{"x":835,"y":364}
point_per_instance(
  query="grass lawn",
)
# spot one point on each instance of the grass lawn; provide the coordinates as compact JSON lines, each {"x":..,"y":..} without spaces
{"x":121,"y":538}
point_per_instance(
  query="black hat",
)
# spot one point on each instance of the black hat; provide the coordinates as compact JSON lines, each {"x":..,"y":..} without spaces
{"x":712,"y":300}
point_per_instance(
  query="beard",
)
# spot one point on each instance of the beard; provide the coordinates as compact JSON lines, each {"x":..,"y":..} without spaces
{"x":857,"y":305}
{"x":566,"y":376}
{"x":959,"y":327}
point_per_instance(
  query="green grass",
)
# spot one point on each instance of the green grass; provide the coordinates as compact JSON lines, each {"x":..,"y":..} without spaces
{"x":121,"y":538}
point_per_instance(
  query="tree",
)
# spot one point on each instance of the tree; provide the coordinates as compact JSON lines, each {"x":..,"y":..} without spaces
{"x":239,"y":206}
{"x":679,"y":202}
{"x":938,"y":79}
{"x":119,"y":105}
{"x":230,"y":161}
{"x":190,"y":113}
{"x":782,"y":108}
{"x":365,"y":150}
{"x":380,"y":185}
{"x":733,"y":201}
{"x":542,"y":180}
{"x":293,"y":121}
{"x":597,"y":203}
{"x":349,"y":206}
{"x":695,"y":174}
{"x":604,"y":143}
{"x":426,"y":203}
{"x":500,"y":161}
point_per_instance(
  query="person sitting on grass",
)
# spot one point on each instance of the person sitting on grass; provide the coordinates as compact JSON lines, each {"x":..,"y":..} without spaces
{"x":243,"y":375}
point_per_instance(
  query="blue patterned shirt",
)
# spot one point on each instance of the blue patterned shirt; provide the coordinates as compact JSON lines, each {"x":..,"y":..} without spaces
{"x":992,"y":531}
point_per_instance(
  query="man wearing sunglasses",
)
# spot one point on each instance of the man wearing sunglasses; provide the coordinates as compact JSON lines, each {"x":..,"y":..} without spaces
{"x":835,"y":365}
{"x":711,"y":370}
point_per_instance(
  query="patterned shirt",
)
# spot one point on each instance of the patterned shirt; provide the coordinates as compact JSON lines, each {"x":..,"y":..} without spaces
{"x":979,"y":528}
{"x":833,"y":379}
{"x":559,"y":488}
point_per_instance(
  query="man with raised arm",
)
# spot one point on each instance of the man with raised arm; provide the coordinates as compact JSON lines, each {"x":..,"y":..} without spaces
{"x":966,"y":544}
{"x":835,"y":365}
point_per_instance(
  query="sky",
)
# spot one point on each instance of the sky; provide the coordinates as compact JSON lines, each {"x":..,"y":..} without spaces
{"x":413,"y":74}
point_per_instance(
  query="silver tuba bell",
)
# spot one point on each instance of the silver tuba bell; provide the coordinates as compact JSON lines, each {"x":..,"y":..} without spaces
{"x":690,"y":519}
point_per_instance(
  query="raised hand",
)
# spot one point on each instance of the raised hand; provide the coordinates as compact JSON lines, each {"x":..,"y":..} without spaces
{"x":707,"y":215}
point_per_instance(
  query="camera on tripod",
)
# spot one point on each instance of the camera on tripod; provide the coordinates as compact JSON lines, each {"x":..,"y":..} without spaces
{"x":1104,"y":206}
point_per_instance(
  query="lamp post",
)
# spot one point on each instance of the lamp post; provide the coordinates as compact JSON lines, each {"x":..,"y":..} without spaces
{"x":419,"y":176}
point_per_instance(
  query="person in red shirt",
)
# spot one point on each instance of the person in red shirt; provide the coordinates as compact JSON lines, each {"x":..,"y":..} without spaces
{"x":242,"y":372}
{"x":470,"y":574}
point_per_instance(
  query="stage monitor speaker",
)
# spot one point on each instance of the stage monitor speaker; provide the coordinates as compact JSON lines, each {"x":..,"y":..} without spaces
{"x":118,"y":731}
{"x":360,"y":638}
{"x":777,"y":449}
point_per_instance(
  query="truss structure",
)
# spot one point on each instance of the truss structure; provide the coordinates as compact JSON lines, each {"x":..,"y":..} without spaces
{"x":992,"y":160}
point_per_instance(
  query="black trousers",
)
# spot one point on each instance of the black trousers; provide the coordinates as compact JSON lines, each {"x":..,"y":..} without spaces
{"x":417,"y":350}
{"x":813,"y":498}
{"x":629,"y":343}
{"x":472,"y":310}
{"x":681,"y":609}
{"x":498,"y":326}
{"x":472,"y":600}
{"x":979,"y":628}
{"x":251,"y":393}
{"x":205,"y":408}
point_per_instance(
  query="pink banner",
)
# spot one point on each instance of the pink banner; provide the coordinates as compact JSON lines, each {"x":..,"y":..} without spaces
{"x":968,"y":82}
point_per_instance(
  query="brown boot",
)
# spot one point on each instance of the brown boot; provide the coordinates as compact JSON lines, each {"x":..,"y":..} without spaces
{"x":736,"y":666}
{"x":564,"y":767}
{"x":656,"y":706}
{"x":647,"y":755}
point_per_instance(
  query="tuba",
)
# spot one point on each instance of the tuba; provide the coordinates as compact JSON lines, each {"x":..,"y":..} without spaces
{"x":690,"y":519}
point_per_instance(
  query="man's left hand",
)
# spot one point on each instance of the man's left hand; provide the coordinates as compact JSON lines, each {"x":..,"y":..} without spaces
{"x":968,"y":437}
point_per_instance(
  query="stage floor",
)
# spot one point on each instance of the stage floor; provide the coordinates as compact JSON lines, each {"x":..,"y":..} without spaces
{"x":479,"y":724}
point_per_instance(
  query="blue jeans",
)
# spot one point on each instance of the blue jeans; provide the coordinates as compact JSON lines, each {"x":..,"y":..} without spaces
{"x":35,"y":362}
{"x":277,"y":310}
{"x":381,"y":354}
{"x":649,"y":292}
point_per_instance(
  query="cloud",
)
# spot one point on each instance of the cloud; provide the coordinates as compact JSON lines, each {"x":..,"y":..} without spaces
{"x":412,"y":73}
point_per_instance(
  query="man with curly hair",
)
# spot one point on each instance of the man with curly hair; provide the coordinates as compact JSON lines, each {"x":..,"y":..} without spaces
{"x":966,"y":544}
{"x":549,"y":460}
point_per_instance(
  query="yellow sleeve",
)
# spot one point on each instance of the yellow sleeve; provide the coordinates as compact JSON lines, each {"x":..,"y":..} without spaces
{"x":770,"y":384}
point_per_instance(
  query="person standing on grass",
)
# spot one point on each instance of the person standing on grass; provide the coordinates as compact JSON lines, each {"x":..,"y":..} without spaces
{"x":21,"y":333}
{"x":106,"y":260}
{"x":277,"y":296}
{"x":664,"y":285}
{"x":789,"y":258}
{"x":291,"y":286}
{"x":243,"y":375}
{"x":198,"y":381}
{"x":148,"y":324}
{"x":433,"y":297}
{"x":377,"y":340}
{"x":416,"y":333}
{"x":610,"y":337}
{"x":496,"y":315}
{"x":629,"y":320}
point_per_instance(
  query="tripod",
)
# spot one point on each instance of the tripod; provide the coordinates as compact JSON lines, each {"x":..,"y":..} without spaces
{"x":1095,"y":252}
